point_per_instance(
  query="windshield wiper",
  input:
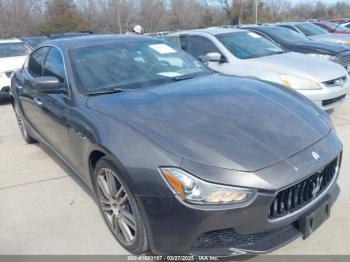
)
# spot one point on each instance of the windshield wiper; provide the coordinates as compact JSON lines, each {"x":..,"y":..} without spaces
{"x":105,"y":91}
{"x":184,"y":77}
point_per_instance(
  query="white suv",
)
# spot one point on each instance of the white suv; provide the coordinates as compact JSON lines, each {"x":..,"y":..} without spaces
{"x":13,"y":53}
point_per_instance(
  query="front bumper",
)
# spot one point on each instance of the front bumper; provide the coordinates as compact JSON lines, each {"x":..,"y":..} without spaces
{"x":328,"y":97}
{"x":178,"y":228}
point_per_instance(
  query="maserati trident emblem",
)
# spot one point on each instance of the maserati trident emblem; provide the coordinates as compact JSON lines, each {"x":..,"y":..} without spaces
{"x":316,"y":186}
{"x":316,"y":156}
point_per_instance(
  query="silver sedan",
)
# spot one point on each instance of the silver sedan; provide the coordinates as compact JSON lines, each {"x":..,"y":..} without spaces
{"x":243,"y":53}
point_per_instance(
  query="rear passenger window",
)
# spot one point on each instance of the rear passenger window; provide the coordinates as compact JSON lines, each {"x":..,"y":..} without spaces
{"x":200,"y":46}
{"x":54,"y":65}
{"x":36,"y":62}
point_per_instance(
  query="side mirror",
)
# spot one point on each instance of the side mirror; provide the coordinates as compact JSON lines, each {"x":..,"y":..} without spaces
{"x":216,"y":57}
{"x":47,"y":84}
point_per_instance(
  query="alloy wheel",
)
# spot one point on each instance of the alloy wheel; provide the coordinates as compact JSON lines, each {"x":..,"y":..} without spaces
{"x":116,"y":207}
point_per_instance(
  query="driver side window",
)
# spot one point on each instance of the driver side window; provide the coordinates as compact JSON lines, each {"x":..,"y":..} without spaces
{"x":200,"y":46}
{"x":36,"y":62}
{"x":54,"y":65}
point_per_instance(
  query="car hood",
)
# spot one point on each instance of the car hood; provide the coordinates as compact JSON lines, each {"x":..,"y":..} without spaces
{"x":301,"y":65}
{"x":217,"y":120}
{"x":334,"y":38}
{"x":320,"y":47}
{"x":11,"y":63}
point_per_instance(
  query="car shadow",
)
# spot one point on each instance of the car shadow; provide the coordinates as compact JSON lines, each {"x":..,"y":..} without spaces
{"x":69,"y":171}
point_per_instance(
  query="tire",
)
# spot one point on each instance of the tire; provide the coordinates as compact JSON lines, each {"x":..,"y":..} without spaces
{"x":119,"y":208}
{"x":23,"y":126}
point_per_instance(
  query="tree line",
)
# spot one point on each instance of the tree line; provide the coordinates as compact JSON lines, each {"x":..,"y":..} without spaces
{"x":36,"y":17}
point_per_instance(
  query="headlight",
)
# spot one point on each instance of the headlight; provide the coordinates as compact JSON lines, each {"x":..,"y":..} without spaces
{"x":197,"y":191}
{"x":299,"y":83}
{"x":328,"y":57}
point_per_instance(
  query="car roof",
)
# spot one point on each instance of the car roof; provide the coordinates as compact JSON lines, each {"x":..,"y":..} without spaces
{"x":12,"y":40}
{"x":293,"y":23}
{"x":92,"y":40}
{"x":34,"y":37}
{"x":210,"y":30}
{"x":262,"y":27}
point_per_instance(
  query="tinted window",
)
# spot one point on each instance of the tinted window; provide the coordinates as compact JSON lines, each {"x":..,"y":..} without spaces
{"x":289,"y":27}
{"x":13,"y":49}
{"x":284,"y":35}
{"x":199,"y":46}
{"x":180,"y":41}
{"x":36,"y":62}
{"x":54,"y":65}
{"x":310,"y":29}
{"x":246,"y":45}
{"x":130,"y":63}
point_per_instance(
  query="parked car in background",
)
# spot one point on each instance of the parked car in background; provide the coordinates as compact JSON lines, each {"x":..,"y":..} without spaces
{"x":333,"y":28}
{"x":34,"y":41}
{"x":338,"y":20}
{"x":316,"y":33}
{"x":347,"y":25}
{"x":295,"y":42}
{"x":69,"y":34}
{"x":181,"y":160}
{"x":159,"y":35}
{"x":244,"y":53}
{"x":13,"y":53}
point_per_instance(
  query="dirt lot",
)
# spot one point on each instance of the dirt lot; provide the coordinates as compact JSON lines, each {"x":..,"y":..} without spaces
{"x":44,"y":209}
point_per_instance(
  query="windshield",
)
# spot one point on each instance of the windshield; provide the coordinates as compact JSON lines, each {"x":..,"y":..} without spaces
{"x":130,"y":64}
{"x":311,"y":30}
{"x":245,"y":45}
{"x":285,"y":35}
{"x":13,"y":49}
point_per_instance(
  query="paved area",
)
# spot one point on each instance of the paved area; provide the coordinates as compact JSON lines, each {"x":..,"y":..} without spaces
{"x":44,"y":209}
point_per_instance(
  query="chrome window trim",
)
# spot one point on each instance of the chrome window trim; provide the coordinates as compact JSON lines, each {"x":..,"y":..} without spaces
{"x":69,"y":95}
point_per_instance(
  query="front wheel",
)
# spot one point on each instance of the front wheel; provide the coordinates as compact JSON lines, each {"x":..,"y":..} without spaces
{"x":22,"y":126}
{"x":119,"y":208}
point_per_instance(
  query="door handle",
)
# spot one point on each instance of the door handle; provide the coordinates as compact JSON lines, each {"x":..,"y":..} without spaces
{"x":38,"y":101}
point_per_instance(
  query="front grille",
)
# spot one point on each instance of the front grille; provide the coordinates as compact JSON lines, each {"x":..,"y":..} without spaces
{"x":229,"y":238}
{"x":333,"y":100}
{"x":336,"y":82}
{"x":299,"y":195}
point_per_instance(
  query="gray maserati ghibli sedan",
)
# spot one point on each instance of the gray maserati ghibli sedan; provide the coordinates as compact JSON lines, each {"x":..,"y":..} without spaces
{"x":180,"y":160}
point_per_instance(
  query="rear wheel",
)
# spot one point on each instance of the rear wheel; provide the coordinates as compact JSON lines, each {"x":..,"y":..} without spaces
{"x":22,"y":126}
{"x":119,"y":208}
